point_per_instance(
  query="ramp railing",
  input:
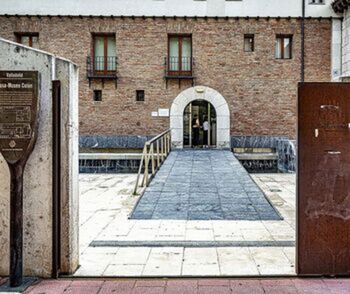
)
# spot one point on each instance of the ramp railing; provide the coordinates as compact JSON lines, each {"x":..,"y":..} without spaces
{"x":154,"y":153}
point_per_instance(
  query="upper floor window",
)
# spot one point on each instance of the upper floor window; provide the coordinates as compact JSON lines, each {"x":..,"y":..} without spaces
{"x":283,"y":47}
{"x":104,"y":54}
{"x":180,"y":55}
{"x":28,"y":39}
{"x":248,"y":43}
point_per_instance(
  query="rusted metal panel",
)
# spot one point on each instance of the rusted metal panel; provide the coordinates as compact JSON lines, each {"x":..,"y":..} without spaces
{"x":323,"y":241}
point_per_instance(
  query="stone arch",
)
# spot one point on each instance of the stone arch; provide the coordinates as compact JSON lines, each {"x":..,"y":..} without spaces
{"x":200,"y":93}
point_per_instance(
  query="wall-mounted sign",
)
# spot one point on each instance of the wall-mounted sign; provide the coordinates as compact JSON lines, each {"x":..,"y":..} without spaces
{"x":164,"y":112}
{"x":154,"y":113}
{"x":18,"y":113}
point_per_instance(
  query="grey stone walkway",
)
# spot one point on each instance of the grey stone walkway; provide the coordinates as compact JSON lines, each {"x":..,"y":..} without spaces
{"x":203,"y":185}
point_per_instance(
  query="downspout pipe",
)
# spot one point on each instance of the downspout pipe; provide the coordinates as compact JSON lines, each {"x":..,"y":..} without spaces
{"x":302,"y":27}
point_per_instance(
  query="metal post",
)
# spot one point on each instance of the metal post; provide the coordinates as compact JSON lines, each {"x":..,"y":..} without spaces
{"x":169,"y":141}
{"x":158,"y":159}
{"x":145,"y":179}
{"x":140,"y":170}
{"x":16,"y":225}
{"x":152,"y":154}
{"x":165,"y":146}
{"x":209,"y":122}
{"x":168,"y":145}
{"x":143,"y":182}
{"x":190,"y":126}
{"x":162,"y":148}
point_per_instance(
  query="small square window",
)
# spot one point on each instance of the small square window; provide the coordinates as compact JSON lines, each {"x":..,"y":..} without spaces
{"x":97,"y":95}
{"x":249,"y":43}
{"x":140,"y":95}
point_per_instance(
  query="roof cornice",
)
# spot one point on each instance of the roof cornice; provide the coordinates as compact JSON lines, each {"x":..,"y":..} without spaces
{"x":169,"y":17}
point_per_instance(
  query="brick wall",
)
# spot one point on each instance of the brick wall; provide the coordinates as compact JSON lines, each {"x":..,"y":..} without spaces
{"x":260,"y":90}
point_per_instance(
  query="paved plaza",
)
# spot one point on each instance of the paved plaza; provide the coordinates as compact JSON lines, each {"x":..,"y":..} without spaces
{"x":191,"y":286}
{"x":203,"y":185}
{"x":111,"y":244}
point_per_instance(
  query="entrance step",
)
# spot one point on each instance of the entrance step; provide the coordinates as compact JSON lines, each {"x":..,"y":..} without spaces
{"x":192,"y":244}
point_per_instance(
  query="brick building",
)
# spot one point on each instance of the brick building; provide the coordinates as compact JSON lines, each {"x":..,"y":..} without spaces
{"x":145,"y":66}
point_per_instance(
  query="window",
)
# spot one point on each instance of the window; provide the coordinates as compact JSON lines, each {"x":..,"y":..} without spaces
{"x":316,"y":2}
{"x":28,"y":39}
{"x":104,"y":55}
{"x":180,"y":55}
{"x":140,"y":95}
{"x":283,"y":47}
{"x":97,"y":95}
{"x":248,"y":43}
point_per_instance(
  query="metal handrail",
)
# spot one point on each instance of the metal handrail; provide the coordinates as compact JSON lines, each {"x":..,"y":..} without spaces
{"x":154,"y":153}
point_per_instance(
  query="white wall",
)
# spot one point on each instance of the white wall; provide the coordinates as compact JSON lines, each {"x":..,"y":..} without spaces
{"x":336,"y":49}
{"x":283,"y":8}
{"x":346,"y":46}
{"x":37,"y":194}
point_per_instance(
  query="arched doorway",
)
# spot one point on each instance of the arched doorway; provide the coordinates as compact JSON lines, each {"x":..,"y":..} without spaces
{"x":200,"y":93}
{"x":205,"y":113}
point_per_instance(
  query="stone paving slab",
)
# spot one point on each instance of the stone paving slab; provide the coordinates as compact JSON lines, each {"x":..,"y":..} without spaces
{"x":193,"y":261}
{"x":203,"y":185}
{"x":107,"y":200}
{"x":192,"y":286}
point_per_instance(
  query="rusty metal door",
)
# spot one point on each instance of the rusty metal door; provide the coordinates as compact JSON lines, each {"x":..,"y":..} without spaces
{"x":323,"y":238}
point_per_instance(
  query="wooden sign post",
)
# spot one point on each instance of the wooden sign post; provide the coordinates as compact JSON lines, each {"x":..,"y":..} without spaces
{"x":19,"y":109}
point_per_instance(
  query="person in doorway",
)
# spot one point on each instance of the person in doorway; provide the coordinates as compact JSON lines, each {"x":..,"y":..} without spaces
{"x":196,"y":125}
{"x":205,"y":132}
